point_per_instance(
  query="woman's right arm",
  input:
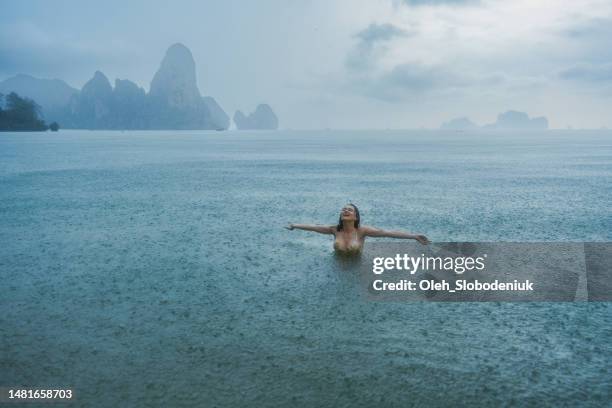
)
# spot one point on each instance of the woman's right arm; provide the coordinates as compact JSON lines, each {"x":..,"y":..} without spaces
{"x":321,"y":229}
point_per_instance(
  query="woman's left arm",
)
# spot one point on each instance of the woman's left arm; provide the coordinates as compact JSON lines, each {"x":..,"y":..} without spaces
{"x":377,"y":232}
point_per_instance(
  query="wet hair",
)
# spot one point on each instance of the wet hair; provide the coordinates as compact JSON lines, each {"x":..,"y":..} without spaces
{"x":339,"y":227}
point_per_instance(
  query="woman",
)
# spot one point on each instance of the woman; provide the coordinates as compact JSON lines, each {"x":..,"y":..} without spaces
{"x":349,"y":235}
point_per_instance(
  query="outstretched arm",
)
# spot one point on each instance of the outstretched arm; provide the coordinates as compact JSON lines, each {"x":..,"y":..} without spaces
{"x":377,"y":232}
{"x":321,"y":229}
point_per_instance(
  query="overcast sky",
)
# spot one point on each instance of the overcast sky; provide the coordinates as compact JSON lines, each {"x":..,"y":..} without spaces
{"x":339,"y":64}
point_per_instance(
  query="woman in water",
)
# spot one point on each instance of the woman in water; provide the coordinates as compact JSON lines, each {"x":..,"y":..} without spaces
{"x":349,"y":235}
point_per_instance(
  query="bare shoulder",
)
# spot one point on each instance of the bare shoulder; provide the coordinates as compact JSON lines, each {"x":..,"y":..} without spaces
{"x":366,"y":230}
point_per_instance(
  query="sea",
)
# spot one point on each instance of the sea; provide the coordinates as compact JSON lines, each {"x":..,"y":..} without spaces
{"x":152,"y":268}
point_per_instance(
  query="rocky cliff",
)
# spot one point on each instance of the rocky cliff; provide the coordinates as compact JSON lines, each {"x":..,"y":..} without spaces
{"x":174,"y":100}
{"x":262,"y":118}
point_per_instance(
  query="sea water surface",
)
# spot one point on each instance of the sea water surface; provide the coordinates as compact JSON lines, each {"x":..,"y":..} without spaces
{"x":153,"y":269}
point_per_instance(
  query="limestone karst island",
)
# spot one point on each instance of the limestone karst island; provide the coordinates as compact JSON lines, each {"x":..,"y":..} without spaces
{"x":173,"y":101}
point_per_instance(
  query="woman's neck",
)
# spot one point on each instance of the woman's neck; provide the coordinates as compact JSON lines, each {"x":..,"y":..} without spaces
{"x":348,"y":226}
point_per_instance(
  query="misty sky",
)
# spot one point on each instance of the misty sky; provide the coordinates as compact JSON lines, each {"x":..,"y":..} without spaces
{"x":339,"y":64}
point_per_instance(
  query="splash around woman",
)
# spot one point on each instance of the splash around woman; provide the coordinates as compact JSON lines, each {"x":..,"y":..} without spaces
{"x":350,"y":235}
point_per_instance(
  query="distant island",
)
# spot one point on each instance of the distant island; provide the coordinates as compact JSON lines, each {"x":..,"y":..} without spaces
{"x":510,"y":120}
{"x":462,"y":123}
{"x":262,"y":118}
{"x":173,"y":101}
{"x":19,"y":114}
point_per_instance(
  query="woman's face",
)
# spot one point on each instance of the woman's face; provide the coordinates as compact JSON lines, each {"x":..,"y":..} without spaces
{"x":348,"y":213}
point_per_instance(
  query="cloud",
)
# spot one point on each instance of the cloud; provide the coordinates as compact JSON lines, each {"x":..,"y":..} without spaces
{"x":440,"y":2}
{"x":371,"y":44}
{"x":588,"y":72}
{"x":405,"y":81}
{"x":417,"y":77}
{"x":26,"y":48}
{"x":590,"y":40}
{"x":416,"y":81}
{"x":594,"y":27}
{"x":380,"y":32}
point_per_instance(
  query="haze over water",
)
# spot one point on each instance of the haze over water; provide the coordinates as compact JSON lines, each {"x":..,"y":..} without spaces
{"x":153,"y":267}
